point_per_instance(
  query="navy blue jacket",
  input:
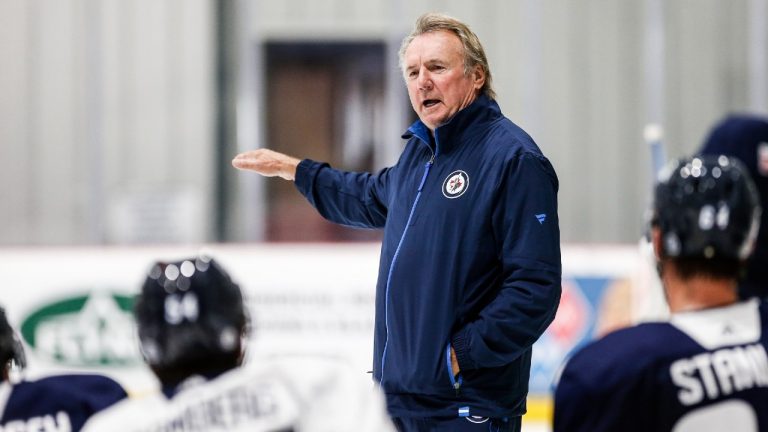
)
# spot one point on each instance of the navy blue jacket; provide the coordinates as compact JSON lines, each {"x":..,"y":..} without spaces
{"x":62,"y":402}
{"x":704,"y":371}
{"x":470,"y":257}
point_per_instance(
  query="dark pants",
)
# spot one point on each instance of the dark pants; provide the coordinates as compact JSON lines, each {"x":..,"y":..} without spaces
{"x":457,"y":424}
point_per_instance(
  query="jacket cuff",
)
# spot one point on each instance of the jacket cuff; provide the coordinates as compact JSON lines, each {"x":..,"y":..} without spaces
{"x":460,"y":344}
{"x":305,"y":175}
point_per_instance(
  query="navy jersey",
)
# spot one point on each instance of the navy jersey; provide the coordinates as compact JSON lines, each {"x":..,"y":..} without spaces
{"x":56,"y":403}
{"x":702,"y":371}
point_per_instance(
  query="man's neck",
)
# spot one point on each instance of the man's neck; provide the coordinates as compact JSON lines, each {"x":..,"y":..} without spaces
{"x":697,"y":293}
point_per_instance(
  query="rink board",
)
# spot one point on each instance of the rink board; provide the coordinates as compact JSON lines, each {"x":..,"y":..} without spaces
{"x":72,"y":305}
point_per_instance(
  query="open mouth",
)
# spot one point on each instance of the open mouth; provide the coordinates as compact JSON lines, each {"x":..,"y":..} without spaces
{"x":430,"y":103}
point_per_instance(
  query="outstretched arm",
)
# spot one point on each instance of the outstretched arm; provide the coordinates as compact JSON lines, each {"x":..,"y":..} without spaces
{"x":268,"y":163}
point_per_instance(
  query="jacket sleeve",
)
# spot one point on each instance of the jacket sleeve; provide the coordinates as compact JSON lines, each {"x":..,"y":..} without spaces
{"x":347,"y":198}
{"x":525,"y":226}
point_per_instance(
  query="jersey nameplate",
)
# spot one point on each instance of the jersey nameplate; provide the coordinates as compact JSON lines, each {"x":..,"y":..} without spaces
{"x":46,"y":423}
{"x":720,"y":373}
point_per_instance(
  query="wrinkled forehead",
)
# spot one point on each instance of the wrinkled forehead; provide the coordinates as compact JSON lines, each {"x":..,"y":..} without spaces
{"x":436,"y":45}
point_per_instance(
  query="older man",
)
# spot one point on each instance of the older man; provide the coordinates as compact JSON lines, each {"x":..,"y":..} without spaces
{"x":470,"y":270}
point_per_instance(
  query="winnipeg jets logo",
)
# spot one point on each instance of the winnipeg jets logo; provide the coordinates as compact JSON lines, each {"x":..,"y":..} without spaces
{"x":455,"y":184}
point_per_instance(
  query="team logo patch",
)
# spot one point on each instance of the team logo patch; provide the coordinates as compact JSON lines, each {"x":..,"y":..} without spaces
{"x":455,"y":184}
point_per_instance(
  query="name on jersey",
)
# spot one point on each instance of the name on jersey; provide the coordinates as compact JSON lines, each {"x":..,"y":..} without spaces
{"x":239,"y":406}
{"x":720,"y":373}
{"x":46,"y":423}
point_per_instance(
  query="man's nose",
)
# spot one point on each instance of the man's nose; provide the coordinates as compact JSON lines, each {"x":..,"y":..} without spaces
{"x":424,"y":81}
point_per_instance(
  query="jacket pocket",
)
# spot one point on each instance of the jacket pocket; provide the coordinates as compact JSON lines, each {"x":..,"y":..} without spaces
{"x":457,"y":380}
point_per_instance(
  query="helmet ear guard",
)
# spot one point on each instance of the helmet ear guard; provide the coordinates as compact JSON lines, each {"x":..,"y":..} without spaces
{"x":706,"y":207}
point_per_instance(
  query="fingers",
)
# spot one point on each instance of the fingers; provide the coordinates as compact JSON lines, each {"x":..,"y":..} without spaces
{"x":254,"y":160}
{"x":241,"y":161}
{"x":267,"y":163}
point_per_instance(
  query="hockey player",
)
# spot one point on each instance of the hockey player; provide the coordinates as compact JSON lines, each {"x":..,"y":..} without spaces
{"x":192,"y":324}
{"x":706,"y":369}
{"x":745,"y":137}
{"x":60,"y":403}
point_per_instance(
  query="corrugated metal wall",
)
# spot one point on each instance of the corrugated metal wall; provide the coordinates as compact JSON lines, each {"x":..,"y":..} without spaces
{"x":105,"y":120}
{"x":107,"y":104}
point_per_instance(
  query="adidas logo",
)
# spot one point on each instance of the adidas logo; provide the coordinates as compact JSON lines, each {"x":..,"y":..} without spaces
{"x":541,"y":217}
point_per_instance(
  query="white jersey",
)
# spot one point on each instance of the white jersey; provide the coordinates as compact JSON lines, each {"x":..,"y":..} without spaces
{"x":283,"y":394}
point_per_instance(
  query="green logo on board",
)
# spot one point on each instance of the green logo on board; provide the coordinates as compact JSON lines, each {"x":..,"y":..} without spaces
{"x":96,"y":329}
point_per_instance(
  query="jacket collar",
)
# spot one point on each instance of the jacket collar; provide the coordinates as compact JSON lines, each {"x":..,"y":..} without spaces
{"x":464,"y":123}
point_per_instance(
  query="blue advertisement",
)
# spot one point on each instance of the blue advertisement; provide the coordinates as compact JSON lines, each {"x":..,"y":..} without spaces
{"x":577,"y":322}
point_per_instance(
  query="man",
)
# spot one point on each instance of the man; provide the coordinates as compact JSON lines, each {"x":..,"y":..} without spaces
{"x":51,"y":404}
{"x":706,"y":369}
{"x":191,"y":324}
{"x":469,"y":273}
{"x":745,"y":137}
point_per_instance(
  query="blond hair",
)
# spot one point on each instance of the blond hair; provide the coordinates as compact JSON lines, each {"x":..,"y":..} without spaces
{"x":474,"y":55}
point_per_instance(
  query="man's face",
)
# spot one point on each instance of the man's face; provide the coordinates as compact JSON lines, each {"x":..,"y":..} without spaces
{"x":434,"y":73}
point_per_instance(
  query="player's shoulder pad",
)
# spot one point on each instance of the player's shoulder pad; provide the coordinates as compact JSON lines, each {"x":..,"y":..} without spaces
{"x":626,"y":351}
{"x":98,"y":390}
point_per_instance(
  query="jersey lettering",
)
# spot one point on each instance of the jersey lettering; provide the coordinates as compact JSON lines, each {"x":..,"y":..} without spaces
{"x":720,"y":373}
{"x":46,"y":423}
{"x":236,"y":407}
{"x":180,"y":307}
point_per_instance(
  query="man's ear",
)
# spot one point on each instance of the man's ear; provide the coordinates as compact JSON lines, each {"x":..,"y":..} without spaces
{"x":478,"y":77}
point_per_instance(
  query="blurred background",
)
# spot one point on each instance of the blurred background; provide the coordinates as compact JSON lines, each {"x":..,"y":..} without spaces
{"x":118,"y":121}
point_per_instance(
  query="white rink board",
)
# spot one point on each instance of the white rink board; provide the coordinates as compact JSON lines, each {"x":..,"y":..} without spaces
{"x":303,"y":298}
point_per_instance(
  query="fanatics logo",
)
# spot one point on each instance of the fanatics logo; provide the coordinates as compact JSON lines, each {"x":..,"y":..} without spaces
{"x":455,"y":184}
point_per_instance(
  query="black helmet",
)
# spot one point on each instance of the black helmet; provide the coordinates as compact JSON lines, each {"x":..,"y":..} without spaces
{"x":188,"y":311}
{"x":11,"y":350}
{"x":707,"y":207}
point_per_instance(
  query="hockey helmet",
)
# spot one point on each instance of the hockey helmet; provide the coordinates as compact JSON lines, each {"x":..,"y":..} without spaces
{"x":706,"y":207}
{"x":189,"y":310}
{"x":11,"y":350}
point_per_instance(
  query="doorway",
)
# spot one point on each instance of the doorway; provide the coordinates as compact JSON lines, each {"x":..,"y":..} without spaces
{"x":324,"y":101}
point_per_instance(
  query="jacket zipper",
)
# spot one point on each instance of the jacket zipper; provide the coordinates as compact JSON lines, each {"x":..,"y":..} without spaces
{"x":427,"y":166}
